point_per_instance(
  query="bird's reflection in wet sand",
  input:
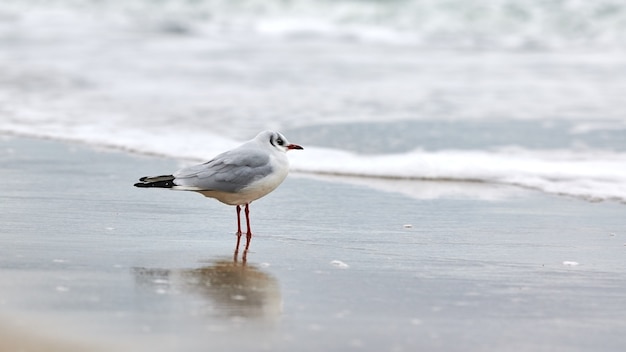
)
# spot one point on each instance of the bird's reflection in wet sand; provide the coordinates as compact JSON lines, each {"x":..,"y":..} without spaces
{"x":244,"y":255}
{"x":228,"y":288}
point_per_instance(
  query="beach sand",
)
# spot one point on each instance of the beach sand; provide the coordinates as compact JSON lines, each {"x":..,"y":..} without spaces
{"x":88,"y":262}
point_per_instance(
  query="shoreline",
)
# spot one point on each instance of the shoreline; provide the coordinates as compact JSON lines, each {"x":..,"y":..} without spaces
{"x":439,"y":266}
{"x":466,"y":186}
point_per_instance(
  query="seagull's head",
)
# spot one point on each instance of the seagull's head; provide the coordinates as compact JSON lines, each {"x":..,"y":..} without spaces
{"x":276,"y":140}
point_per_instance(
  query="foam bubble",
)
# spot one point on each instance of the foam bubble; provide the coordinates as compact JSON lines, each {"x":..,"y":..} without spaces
{"x":339,"y":264}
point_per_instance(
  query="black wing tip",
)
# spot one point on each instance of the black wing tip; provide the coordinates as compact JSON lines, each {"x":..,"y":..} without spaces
{"x":165,"y":181}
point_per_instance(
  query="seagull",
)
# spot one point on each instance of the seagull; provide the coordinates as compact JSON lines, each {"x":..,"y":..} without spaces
{"x":236,"y":177}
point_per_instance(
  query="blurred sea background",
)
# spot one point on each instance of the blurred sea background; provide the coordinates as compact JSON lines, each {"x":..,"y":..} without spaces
{"x":528,"y":93}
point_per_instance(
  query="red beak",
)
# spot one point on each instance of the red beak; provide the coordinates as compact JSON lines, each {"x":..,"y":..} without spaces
{"x":293,"y":146}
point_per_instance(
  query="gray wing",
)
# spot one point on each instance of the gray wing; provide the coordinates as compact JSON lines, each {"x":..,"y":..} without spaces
{"x":227,"y":172}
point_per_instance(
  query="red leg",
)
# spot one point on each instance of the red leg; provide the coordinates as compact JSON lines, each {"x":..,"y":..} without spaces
{"x":238,"y":221}
{"x":249,"y":234}
{"x":238,"y":233}
{"x":247,"y":210}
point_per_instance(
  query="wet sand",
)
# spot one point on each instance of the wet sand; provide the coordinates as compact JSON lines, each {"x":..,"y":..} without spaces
{"x":89,"y":262}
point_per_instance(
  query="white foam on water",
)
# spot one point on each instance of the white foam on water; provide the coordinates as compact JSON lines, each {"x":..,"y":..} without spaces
{"x":592,"y":175}
{"x":191,"y":79}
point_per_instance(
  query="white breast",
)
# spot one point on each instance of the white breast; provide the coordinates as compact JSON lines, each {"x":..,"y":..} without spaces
{"x":257,"y":189}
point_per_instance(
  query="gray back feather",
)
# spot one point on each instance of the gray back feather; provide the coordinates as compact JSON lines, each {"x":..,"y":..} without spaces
{"x":228,"y":172}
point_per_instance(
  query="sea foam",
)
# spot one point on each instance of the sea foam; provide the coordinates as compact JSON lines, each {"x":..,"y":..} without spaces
{"x":592,"y":175}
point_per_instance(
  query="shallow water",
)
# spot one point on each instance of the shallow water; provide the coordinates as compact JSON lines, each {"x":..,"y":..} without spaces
{"x":333,"y":266}
{"x":191,"y":79}
{"x":431,"y":135}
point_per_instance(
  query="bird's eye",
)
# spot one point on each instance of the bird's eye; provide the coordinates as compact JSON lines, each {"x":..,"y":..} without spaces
{"x":280,"y":141}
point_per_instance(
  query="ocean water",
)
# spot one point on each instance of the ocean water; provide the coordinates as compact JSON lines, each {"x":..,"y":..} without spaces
{"x":494,"y":91}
